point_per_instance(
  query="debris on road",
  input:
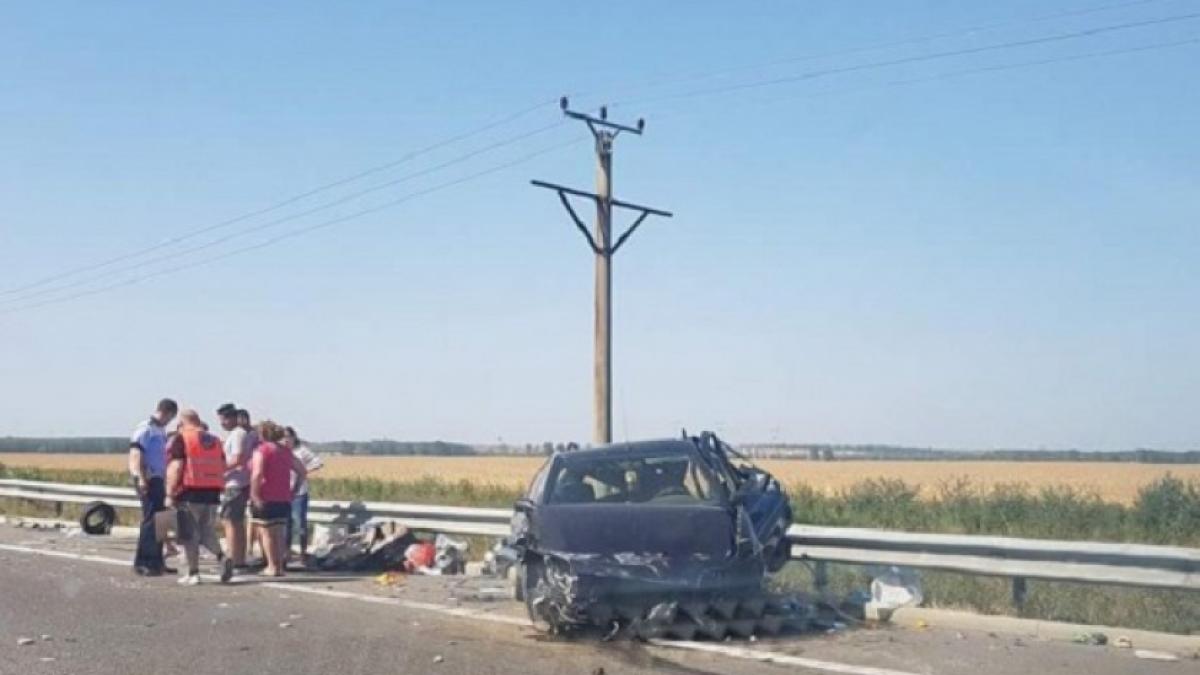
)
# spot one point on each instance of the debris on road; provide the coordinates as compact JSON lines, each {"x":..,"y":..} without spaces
{"x":390,"y":579}
{"x":1151,"y":655}
{"x":375,"y":548}
{"x":895,"y":588}
{"x":443,"y":556}
{"x":1096,"y":639}
{"x":97,"y":518}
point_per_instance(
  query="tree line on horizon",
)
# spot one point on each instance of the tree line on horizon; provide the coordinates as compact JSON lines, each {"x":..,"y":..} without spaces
{"x":808,"y":451}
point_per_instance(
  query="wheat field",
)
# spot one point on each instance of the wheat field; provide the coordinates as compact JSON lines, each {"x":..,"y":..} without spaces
{"x":1116,"y":482}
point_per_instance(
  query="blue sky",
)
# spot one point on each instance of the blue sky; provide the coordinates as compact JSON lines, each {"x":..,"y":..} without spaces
{"x":904,"y":254}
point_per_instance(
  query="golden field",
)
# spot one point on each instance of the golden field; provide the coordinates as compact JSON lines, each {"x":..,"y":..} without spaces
{"x":1117,"y":482}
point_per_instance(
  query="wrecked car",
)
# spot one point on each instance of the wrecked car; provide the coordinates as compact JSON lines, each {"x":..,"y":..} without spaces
{"x":668,"y":533}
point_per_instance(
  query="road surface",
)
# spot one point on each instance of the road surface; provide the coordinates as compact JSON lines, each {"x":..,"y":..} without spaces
{"x":100,"y":619}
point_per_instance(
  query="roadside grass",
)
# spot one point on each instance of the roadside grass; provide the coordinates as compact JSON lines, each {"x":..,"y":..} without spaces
{"x":1166,"y":511}
{"x":1165,"y":610}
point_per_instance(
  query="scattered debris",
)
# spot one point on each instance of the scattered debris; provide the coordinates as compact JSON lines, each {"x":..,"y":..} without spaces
{"x":1123,"y":642}
{"x":1095,"y":639}
{"x":895,"y":588}
{"x":1151,"y":655}
{"x":451,"y":555}
{"x":490,"y":593}
{"x":25,"y":642}
{"x":97,"y":518}
{"x":375,"y":548}
{"x":390,"y":579}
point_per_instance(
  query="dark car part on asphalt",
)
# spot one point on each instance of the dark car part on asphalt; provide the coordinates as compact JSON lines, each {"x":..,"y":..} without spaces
{"x":652,"y":538}
{"x":97,"y":518}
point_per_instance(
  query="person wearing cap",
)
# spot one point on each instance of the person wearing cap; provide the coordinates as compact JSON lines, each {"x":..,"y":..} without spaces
{"x":195,"y":480}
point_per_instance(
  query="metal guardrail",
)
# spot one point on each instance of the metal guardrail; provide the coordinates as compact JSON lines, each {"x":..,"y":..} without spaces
{"x":1093,"y":562}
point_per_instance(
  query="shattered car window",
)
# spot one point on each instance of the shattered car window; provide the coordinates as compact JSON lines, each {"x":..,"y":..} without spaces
{"x":674,"y":479}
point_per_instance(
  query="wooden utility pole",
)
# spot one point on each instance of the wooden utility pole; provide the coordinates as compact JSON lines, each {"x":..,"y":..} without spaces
{"x":602,"y":245}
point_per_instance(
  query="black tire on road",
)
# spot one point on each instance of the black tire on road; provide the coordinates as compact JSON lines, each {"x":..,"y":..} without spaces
{"x":97,"y":518}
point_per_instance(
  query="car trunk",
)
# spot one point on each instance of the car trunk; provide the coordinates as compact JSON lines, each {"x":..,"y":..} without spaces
{"x":675,"y":531}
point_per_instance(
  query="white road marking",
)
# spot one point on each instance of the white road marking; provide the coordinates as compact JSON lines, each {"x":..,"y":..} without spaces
{"x":467,"y":613}
{"x":775,"y":657}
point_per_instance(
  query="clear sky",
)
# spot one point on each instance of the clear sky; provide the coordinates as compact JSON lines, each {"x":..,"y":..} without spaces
{"x":947,"y":251}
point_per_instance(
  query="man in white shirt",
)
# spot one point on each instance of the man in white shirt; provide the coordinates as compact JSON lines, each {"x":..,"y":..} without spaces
{"x":237,"y":484}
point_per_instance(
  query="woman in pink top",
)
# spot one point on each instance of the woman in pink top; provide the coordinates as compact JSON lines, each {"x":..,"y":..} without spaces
{"x":271,"y":469}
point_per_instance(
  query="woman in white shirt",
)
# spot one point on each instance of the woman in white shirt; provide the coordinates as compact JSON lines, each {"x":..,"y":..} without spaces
{"x":297,"y":531}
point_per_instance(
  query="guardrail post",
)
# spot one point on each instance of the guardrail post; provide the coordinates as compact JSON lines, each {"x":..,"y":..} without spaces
{"x":1019,"y":591}
{"x":821,"y":577}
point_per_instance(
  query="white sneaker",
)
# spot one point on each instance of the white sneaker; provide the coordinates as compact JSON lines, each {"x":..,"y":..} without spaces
{"x":189,"y":580}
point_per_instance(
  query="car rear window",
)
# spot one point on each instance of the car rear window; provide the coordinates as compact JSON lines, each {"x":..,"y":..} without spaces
{"x":670,"y":479}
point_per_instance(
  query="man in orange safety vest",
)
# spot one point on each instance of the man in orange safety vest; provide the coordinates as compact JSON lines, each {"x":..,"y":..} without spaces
{"x":195,"y":478}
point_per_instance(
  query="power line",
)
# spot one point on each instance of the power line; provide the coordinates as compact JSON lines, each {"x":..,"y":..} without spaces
{"x":278,"y":205}
{"x":825,"y":72}
{"x":681,"y":77}
{"x":298,"y":232}
{"x":970,"y":71}
{"x":272,"y":223}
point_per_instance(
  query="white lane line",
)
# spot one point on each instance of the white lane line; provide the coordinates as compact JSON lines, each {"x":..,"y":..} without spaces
{"x":775,"y":657}
{"x":466,"y":613}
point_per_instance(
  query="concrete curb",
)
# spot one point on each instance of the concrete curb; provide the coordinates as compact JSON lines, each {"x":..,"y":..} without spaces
{"x":1185,"y":646}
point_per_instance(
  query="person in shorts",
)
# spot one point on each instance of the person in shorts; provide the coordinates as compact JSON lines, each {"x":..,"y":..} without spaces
{"x":237,"y":484}
{"x":271,"y":494}
{"x":195,"y":479}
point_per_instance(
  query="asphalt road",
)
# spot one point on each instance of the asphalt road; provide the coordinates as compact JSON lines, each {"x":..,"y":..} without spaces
{"x":101,"y":619}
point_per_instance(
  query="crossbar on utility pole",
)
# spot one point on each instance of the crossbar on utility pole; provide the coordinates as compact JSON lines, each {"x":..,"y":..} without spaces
{"x":601,"y":243}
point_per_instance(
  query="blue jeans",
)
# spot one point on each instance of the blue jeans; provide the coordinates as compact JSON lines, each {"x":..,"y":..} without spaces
{"x":298,"y":525}
{"x":149,"y":548}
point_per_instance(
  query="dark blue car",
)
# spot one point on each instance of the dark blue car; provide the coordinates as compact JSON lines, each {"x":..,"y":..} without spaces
{"x":606,"y":534}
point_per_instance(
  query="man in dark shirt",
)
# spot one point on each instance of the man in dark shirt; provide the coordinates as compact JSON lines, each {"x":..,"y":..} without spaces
{"x":195,"y":478}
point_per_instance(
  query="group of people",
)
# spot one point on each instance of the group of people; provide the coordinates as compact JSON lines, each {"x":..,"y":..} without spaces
{"x":191,"y":471}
